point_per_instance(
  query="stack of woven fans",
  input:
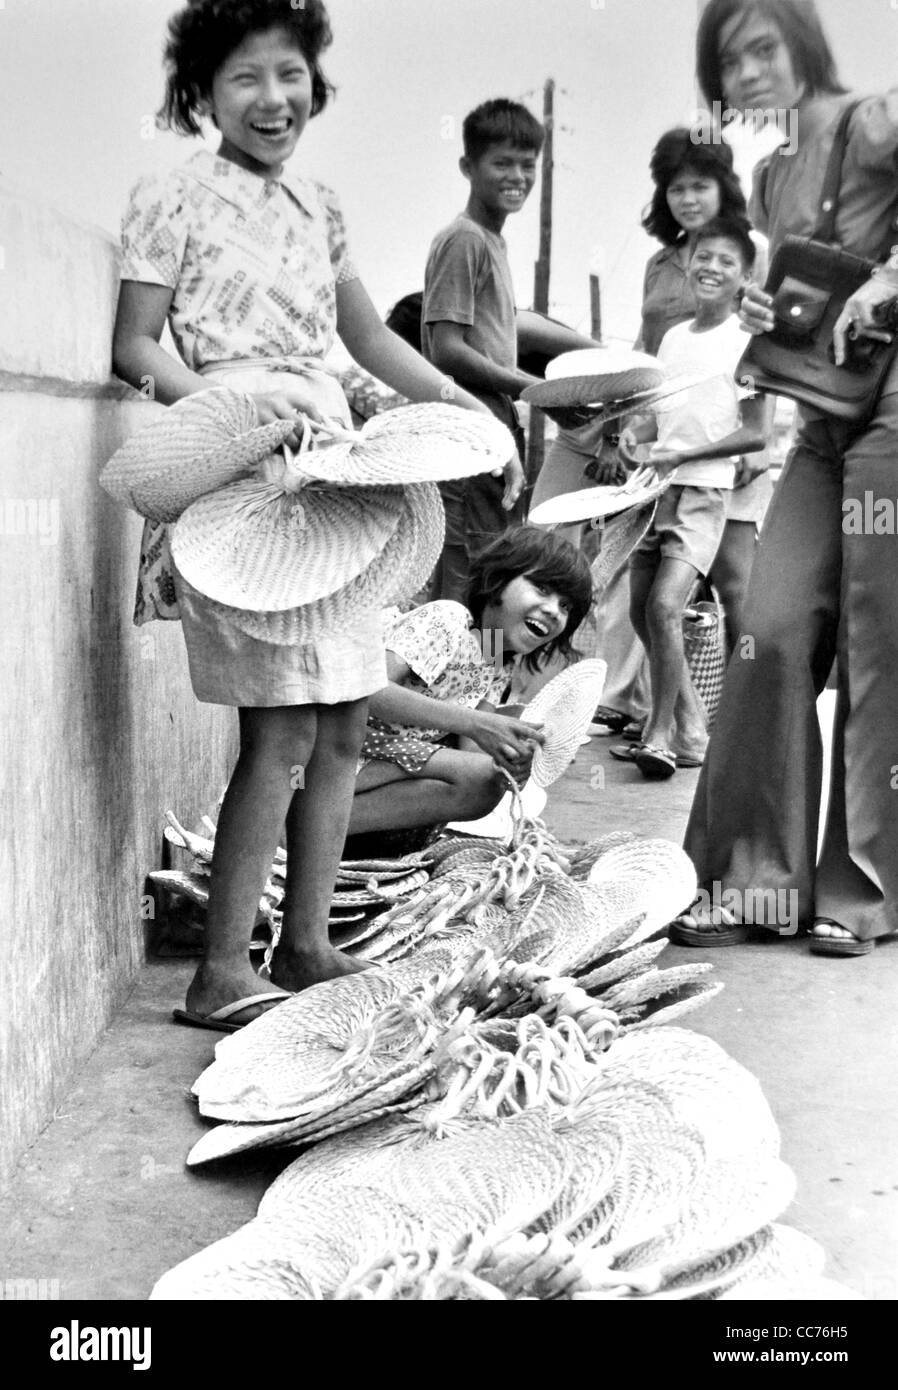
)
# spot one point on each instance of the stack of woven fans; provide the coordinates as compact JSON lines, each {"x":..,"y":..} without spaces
{"x":509,"y":1109}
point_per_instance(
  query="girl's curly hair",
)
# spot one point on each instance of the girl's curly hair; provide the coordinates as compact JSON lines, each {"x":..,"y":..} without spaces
{"x":678,"y":152}
{"x":204,"y":34}
{"x":544,"y":558}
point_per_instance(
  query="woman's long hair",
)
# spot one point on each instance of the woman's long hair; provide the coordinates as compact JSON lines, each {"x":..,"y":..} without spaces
{"x":679,"y":152}
{"x":798,"y":21}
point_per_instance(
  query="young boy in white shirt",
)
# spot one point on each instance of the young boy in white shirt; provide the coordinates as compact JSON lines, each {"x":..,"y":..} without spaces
{"x":702,"y":434}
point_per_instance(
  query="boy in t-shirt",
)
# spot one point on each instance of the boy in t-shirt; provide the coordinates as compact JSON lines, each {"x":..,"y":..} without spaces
{"x":471,"y":329}
{"x":701,"y":434}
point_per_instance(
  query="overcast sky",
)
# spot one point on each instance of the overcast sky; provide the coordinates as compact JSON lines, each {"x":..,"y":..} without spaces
{"x":80,"y":80}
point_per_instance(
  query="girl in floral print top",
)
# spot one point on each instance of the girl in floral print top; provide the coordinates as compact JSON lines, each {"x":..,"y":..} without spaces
{"x":435,"y":742}
{"x":247,"y":262}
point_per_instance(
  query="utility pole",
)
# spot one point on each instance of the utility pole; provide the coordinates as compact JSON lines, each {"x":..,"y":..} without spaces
{"x":536,"y":441}
{"x":595,"y":308}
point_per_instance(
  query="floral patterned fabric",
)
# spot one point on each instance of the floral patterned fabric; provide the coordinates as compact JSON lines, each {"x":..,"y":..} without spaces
{"x":447,"y":662}
{"x":253,"y":264}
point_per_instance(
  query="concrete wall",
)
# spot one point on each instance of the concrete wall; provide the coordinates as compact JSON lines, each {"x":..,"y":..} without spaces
{"x":99,"y":730}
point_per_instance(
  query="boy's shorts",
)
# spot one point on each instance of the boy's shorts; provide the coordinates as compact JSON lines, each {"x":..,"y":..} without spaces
{"x":689,"y":524}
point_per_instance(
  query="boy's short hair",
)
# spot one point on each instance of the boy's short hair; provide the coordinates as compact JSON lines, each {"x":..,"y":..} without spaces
{"x":545,"y":558}
{"x":404,"y":319}
{"x":495,"y":122}
{"x":734,"y":229}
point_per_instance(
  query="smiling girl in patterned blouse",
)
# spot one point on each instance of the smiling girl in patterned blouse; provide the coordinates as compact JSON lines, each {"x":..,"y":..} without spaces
{"x":435,"y":741}
{"x":247,"y":262}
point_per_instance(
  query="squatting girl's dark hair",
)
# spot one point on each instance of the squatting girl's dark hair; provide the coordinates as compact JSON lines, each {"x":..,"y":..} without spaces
{"x":204,"y":34}
{"x":499,"y":120}
{"x":812,"y":59}
{"x":678,"y":152}
{"x":544,"y":558}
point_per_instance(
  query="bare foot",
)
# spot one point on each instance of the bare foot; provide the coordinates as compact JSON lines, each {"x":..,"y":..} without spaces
{"x":294,"y":970}
{"x":212,"y":987}
{"x":823,"y":927}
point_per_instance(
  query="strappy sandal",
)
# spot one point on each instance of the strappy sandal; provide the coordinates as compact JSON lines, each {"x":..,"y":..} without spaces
{"x":837,"y":945}
{"x":722,"y":930}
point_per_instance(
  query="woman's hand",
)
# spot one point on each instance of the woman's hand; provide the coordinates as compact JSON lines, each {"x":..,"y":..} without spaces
{"x":860,"y":316}
{"x":509,"y":742}
{"x":756,"y":310}
{"x":290,"y":403}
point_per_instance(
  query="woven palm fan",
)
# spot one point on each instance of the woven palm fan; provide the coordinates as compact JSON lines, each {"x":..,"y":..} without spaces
{"x":602,"y":397}
{"x":412,"y":444}
{"x":565,"y":708}
{"x":201,"y":443}
{"x":599,"y":501}
{"x":401,"y":567}
{"x":252,"y":545}
{"x":593,"y":377}
{"x":621,"y":534}
{"x":303,"y":1253}
{"x":706,"y":1087}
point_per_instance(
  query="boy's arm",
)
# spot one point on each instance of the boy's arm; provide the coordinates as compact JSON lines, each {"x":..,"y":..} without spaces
{"x":453,"y":354}
{"x":749,"y":438}
{"x":384,"y":354}
{"x":539,"y":334}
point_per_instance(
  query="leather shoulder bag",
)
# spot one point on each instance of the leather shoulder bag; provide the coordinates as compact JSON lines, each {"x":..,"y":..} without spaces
{"x":810,"y":279}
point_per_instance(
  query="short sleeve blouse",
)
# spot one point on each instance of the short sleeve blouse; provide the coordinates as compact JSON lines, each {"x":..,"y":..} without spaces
{"x":438,"y":644}
{"x":252,"y":263}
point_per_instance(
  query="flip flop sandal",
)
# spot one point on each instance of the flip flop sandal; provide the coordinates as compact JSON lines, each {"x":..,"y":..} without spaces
{"x":219,"y":1019}
{"x":690,"y":760}
{"x":632,"y":732}
{"x":625,"y":752}
{"x":655,"y":763}
{"x":612,"y":719}
{"x":687,"y":930}
{"x":838,"y":945}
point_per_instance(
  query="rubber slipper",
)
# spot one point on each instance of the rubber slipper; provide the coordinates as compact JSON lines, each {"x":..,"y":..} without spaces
{"x":624,"y":752}
{"x":613,"y":719}
{"x":690,"y":760}
{"x":219,"y":1019}
{"x":838,"y":945}
{"x":687,"y":930}
{"x":654,"y":762}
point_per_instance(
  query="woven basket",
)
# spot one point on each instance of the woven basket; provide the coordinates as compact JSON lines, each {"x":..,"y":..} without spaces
{"x":704,"y":645}
{"x":201,"y":443}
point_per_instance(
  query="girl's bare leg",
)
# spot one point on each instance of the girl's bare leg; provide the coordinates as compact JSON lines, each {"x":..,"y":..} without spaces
{"x":273,"y":743}
{"x":453,"y":785}
{"x":317,"y":821}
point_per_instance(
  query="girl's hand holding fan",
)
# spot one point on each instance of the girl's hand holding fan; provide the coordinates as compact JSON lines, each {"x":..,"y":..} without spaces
{"x":286,"y":404}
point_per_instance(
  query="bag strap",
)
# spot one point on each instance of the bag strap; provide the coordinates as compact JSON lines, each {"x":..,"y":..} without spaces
{"x":832,"y":181}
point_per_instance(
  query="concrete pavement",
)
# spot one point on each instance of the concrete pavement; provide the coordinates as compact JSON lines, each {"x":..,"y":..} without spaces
{"x":102,"y":1203}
